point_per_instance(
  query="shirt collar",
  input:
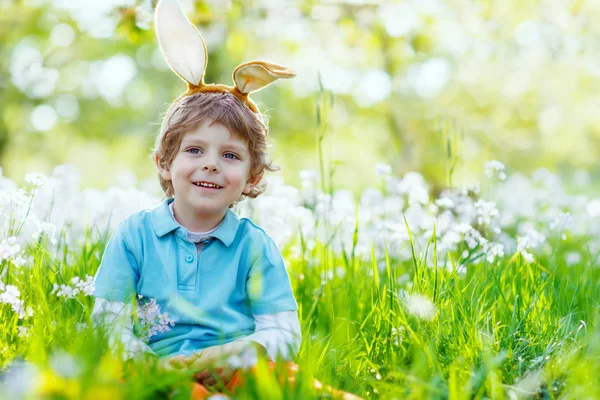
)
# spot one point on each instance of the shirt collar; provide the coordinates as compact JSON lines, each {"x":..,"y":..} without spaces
{"x":163,"y":223}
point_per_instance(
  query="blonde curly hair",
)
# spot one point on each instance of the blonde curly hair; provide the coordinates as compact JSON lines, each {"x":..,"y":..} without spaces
{"x":187,"y":112}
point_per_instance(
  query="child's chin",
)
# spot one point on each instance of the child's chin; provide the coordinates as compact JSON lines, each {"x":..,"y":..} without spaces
{"x":209,"y":207}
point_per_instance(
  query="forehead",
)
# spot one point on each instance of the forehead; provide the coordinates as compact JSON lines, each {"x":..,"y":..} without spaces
{"x":214,"y":132}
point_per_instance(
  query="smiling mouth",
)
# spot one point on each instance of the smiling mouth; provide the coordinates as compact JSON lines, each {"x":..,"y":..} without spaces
{"x":207,"y":185}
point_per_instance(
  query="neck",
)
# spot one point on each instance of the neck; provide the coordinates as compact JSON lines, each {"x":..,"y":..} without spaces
{"x":194,"y":221}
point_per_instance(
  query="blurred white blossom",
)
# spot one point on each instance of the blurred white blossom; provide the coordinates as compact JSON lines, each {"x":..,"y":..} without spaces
{"x":76,"y":286}
{"x":463,"y":218}
{"x":494,"y":168}
{"x":23,"y":332}
{"x":382,"y":169}
{"x":420,"y":306}
{"x":10,"y":294}
{"x":36,"y":179}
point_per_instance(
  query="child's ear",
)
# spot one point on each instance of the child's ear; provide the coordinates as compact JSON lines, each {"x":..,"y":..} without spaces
{"x":164,"y":172}
{"x":252,"y":181}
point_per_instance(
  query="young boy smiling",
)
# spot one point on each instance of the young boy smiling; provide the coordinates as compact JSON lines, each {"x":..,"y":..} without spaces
{"x":209,"y":173}
{"x":220,"y":277}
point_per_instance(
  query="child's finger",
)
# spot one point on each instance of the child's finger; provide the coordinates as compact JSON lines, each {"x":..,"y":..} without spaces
{"x":176,"y":361}
{"x":190,"y":360}
{"x":209,"y":382}
{"x":204,"y":374}
{"x":198,"y":365}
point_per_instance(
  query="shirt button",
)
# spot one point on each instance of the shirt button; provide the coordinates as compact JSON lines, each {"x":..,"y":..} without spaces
{"x":189,"y":258}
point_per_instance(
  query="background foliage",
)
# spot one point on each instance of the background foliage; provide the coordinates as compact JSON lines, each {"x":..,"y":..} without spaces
{"x":434,"y":86}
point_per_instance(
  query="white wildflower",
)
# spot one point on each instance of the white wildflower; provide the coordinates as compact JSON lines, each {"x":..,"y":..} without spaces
{"x":63,"y":290}
{"x":309,"y":178}
{"x":463,"y":228}
{"x":528,"y":386}
{"x":218,"y":396}
{"x":593,"y":208}
{"x":382,"y":169}
{"x":445,"y":202}
{"x":10,"y":295}
{"x":9,"y":249}
{"x":572,"y":258}
{"x":532,"y":239}
{"x":494,"y":250}
{"x":151,"y":318}
{"x":420,"y":306}
{"x":418,"y":195}
{"x":561,"y":221}
{"x":397,"y":335}
{"x":23,"y":332}
{"x":36,"y":179}
{"x":473,"y":239}
{"x":87,"y":287}
{"x":528,"y":257}
{"x":494,"y":167}
{"x":486,"y":211}
{"x":77,"y":286}
{"x":47,"y":228}
{"x":16,"y":382}
{"x":451,"y":239}
{"x":65,"y":364}
{"x":18,"y":261}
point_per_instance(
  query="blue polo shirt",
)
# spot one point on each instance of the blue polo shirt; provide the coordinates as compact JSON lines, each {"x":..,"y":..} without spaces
{"x":210,"y":295}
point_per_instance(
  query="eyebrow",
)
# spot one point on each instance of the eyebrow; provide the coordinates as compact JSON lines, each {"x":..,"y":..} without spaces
{"x":189,"y":142}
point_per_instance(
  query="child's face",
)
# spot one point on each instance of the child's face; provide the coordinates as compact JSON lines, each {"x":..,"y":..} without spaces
{"x":210,"y":154}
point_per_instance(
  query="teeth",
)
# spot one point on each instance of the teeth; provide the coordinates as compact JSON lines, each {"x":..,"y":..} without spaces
{"x":207,"y":185}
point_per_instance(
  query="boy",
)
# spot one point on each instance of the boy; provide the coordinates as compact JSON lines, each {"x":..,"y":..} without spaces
{"x":219,"y":277}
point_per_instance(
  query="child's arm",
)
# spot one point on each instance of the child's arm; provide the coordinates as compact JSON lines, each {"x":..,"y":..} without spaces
{"x":272,"y":304}
{"x":116,"y":316}
{"x":278,"y":333}
{"x":115,"y":285}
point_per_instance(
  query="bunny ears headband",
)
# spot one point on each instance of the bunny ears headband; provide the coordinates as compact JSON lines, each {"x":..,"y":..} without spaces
{"x":185,"y":52}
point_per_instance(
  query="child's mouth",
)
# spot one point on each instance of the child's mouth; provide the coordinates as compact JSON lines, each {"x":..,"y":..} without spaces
{"x":206,"y":185}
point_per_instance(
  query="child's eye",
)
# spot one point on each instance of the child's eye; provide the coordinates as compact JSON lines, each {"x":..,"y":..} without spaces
{"x":231,"y":154}
{"x":194,"y":150}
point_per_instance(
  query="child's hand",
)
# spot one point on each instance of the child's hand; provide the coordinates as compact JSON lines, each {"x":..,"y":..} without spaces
{"x":211,"y":366}
{"x":215,"y":377}
{"x":214,"y":364}
{"x":172,"y":363}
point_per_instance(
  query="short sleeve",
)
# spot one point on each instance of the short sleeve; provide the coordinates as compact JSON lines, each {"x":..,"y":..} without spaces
{"x":268,"y":283}
{"x":118,"y":274}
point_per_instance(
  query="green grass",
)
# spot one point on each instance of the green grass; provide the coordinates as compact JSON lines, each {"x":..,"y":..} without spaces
{"x":501,"y":330}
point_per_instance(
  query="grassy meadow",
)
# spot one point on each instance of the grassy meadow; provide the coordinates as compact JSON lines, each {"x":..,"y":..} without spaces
{"x":444,"y":283}
{"x":390,"y":307}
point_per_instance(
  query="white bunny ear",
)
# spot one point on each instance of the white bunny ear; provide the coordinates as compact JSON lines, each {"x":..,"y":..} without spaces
{"x":255,"y":75}
{"x":180,"y":42}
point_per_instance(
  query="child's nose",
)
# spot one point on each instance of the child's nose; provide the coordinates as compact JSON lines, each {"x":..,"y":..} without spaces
{"x":210,"y":167}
